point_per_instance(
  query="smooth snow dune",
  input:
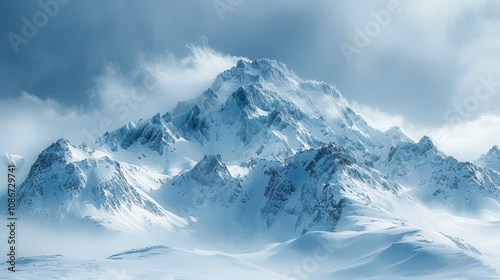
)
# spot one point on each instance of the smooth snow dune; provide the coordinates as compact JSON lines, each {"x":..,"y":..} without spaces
{"x":395,"y":253}
{"x":159,"y":262}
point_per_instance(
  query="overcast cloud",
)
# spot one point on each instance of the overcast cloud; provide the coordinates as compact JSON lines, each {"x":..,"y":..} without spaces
{"x":422,"y":70}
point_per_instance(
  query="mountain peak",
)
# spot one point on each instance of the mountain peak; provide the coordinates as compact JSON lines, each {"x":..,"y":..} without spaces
{"x":61,"y":142}
{"x":261,"y":63}
{"x":394,"y":130}
{"x":491,"y":159}
{"x":241,"y":63}
{"x":397,"y":135}
{"x":426,"y":143}
{"x":494,"y":150}
{"x":210,"y":163}
{"x":156,"y":119}
{"x":209,"y":170}
{"x":407,"y":150}
{"x":59,"y":151}
{"x":258,"y":71}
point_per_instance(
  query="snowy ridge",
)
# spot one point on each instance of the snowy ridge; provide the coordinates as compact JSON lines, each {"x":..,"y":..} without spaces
{"x":68,"y":183}
{"x":490,"y":160}
{"x":209,"y":182}
{"x":441,"y":181}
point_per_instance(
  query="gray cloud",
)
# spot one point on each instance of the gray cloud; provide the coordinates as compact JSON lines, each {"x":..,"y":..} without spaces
{"x":424,"y":62}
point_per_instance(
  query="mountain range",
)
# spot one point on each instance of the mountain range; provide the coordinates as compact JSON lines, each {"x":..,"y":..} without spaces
{"x":280,"y":173}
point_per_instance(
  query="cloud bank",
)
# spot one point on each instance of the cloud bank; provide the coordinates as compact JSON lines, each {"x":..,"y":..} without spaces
{"x":155,"y":86}
{"x":465,"y":140}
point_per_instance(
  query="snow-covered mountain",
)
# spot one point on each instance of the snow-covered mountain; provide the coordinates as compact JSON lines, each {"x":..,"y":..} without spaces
{"x":490,"y":160}
{"x":78,"y":185}
{"x":259,"y":109}
{"x":441,"y":181}
{"x":269,"y":163}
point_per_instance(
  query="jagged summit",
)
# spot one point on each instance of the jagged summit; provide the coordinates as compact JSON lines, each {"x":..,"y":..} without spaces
{"x":255,"y":102}
{"x":441,"y":180}
{"x":494,"y":150}
{"x":210,"y":170}
{"x":260,"y":76}
{"x":407,"y":151}
{"x":426,"y":143}
{"x":61,"y":151}
{"x":268,"y":73}
{"x":263,"y":65}
{"x":395,"y":131}
{"x":491,"y":159}
{"x":397,"y":135}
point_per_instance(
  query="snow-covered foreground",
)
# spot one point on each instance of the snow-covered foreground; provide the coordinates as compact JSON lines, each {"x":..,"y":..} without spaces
{"x":150,"y":263}
{"x":388,"y":254}
{"x":375,"y":249}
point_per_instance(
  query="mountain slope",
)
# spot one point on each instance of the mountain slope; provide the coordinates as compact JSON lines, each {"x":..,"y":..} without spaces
{"x":441,"y":181}
{"x":80,"y":185}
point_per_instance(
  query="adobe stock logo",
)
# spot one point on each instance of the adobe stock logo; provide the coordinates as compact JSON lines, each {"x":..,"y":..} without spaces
{"x":311,"y":264}
{"x":49,"y":9}
{"x":471,"y":103}
{"x":461,"y":112}
{"x":223,"y":6}
{"x":363,"y":37}
{"x":122,"y":106}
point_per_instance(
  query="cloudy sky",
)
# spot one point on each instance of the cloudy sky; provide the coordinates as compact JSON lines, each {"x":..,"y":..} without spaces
{"x":428,"y":66}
